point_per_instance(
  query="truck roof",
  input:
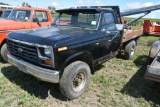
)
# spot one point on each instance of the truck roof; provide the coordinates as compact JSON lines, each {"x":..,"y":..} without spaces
{"x":92,"y":8}
{"x":84,"y":9}
{"x":30,"y":8}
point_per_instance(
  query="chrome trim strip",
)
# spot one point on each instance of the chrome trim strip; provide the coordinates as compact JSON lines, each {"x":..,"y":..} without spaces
{"x":100,"y":15}
{"x":30,"y":44}
{"x":52,"y":58}
{"x":43,"y":74}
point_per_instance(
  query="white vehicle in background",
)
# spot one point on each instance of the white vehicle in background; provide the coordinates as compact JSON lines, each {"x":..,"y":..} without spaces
{"x":7,"y":7}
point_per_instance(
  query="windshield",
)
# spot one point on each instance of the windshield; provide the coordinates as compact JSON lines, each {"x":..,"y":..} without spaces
{"x":22,"y":15}
{"x":6,"y":13}
{"x":78,"y":19}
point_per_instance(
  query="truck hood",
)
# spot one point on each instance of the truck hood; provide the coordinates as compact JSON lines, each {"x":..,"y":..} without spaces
{"x":11,"y":25}
{"x":46,"y":35}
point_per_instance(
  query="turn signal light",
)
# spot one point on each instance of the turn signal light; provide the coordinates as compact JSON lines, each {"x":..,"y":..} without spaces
{"x":62,"y":48}
{"x":48,"y":62}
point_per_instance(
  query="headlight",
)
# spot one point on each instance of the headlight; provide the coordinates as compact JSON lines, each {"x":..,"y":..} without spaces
{"x":47,"y":52}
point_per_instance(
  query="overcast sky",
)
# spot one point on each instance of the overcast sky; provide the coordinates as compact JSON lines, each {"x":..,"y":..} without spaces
{"x":124,"y":4}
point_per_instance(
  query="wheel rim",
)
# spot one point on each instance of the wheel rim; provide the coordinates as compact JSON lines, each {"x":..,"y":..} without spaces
{"x":79,"y":81}
{"x":132,"y":51}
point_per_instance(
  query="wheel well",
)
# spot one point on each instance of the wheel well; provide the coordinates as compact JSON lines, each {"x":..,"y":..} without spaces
{"x":4,"y":41}
{"x":85,"y":58}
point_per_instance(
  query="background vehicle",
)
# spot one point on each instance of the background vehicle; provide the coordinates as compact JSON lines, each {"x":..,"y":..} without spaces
{"x":153,"y":69}
{"x":78,"y":40}
{"x":22,"y":19}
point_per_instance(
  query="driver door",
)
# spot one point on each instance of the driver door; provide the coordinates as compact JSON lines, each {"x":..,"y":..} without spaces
{"x":108,"y":39}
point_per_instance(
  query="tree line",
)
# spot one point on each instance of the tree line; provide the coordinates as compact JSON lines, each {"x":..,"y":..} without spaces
{"x":3,"y":3}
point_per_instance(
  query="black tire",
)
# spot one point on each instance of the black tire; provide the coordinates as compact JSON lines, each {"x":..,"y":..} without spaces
{"x":130,"y":49}
{"x":4,"y":51}
{"x":150,"y":60}
{"x":73,"y":74}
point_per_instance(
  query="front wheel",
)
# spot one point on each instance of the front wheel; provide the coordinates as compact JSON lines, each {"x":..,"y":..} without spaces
{"x":130,"y":49}
{"x":75,"y":79}
{"x":4,"y":51}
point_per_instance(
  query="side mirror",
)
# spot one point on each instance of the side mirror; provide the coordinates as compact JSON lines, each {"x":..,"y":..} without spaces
{"x":119,"y":27}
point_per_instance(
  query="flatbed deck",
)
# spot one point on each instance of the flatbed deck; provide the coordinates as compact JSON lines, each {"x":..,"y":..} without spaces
{"x":131,"y":34}
{"x":153,"y":70}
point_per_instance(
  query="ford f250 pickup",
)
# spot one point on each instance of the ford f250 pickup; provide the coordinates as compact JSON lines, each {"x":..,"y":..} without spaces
{"x":19,"y":19}
{"x":67,"y":52}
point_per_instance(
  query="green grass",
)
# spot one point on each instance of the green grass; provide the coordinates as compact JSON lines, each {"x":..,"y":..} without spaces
{"x":117,"y":82}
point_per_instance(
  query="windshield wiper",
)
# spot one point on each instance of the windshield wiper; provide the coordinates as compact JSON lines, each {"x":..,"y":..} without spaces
{"x":77,"y":25}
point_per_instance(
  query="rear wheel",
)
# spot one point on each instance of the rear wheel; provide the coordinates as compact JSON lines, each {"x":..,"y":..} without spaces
{"x":75,"y":79}
{"x":130,"y":49}
{"x":4,"y":51}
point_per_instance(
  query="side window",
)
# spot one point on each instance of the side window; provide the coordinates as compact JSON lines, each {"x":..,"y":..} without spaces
{"x":40,"y":16}
{"x":108,"y":21}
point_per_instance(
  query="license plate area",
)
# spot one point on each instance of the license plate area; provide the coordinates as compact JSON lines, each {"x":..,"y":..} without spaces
{"x":22,"y":67}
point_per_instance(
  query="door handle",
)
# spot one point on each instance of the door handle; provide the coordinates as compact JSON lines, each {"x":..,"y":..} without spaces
{"x":110,"y":40}
{"x":97,"y":43}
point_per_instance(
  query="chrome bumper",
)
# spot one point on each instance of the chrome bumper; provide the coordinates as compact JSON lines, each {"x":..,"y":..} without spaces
{"x":36,"y":71}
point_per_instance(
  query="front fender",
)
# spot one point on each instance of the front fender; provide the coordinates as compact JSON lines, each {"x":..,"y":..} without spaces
{"x":79,"y":56}
{"x":2,"y":37}
{"x":155,"y":49}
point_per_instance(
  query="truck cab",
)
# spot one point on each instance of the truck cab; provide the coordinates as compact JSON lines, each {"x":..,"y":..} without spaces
{"x":22,"y":19}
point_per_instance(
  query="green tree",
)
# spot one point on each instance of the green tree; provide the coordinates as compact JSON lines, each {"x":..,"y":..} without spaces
{"x":1,"y":3}
{"x":24,"y":4}
{"x":52,"y":9}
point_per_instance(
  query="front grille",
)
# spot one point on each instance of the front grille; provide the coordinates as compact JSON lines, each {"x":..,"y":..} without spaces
{"x":22,"y":50}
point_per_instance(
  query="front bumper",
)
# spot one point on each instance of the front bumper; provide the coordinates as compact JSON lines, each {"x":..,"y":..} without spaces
{"x":152,"y":73}
{"x":36,"y":71}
